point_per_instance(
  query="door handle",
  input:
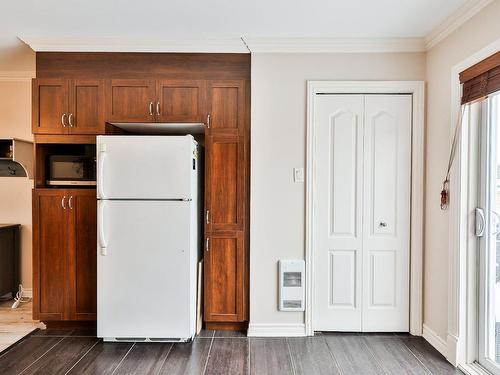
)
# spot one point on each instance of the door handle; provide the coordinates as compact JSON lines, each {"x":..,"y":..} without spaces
{"x":100,"y":173}
{"x":480,"y":222}
{"x":207,"y":217}
{"x":62,"y":120}
{"x":158,"y":108}
{"x":69,"y":202}
{"x":70,"y":117}
{"x":101,"y":234}
{"x":207,"y":244}
{"x":208,"y":121}
{"x":151,"y":108}
{"x":63,"y":202}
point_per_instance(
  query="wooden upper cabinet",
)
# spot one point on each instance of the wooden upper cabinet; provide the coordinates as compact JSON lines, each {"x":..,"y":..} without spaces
{"x":225,"y":278}
{"x":181,"y":101}
{"x":226,"y":106}
{"x":50,"y":106}
{"x":86,"y":106}
{"x":225,"y":168}
{"x":130,"y":100}
{"x":49,"y":256}
{"x":82,"y":254}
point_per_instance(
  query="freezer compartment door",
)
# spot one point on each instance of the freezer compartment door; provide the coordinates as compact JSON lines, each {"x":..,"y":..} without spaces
{"x":145,"y":270}
{"x":145,"y":167}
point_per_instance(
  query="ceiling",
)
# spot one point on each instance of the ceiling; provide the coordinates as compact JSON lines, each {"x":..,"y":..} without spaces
{"x":222,"y":18}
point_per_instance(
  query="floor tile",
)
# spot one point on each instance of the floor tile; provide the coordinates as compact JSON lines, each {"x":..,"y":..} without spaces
{"x":144,"y":358}
{"x":187,"y":358}
{"x":102,"y":359}
{"x":269,"y":356}
{"x":228,"y":356}
{"x":429,"y":356}
{"x":311,"y":356}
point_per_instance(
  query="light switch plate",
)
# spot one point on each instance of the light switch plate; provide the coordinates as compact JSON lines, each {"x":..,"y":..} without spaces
{"x":298,"y":175}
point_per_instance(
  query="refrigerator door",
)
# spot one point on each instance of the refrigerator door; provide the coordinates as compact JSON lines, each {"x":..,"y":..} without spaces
{"x":145,"y":167}
{"x":145,"y":270}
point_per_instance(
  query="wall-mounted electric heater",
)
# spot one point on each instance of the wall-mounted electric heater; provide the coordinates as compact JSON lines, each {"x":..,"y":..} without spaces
{"x":291,"y":285}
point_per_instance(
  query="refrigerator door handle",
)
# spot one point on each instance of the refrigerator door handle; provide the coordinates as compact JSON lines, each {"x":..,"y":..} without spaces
{"x":100,"y":177}
{"x":102,"y":241}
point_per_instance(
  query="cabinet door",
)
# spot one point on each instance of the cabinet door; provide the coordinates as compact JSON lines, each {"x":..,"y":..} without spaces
{"x":225,"y":171}
{"x":49,"y":254}
{"x":180,"y":100}
{"x":226,"y":102}
{"x":130,"y":100}
{"x":50,"y":106}
{"x":86,"y":106}
{"x":225,"y":277}
{"x":82,"y":252}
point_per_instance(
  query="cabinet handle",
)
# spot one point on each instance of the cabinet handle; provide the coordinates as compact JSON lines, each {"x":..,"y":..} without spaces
{"x":70,"y":117}
{"x":62,"y":120}
{"x":151,"y":108}
{"x":208,"y":121}
{"x":158,"y":108}
{"x":207,"y":244}
{"x":69,"y":202}
{"x":63,"y":202}
{"x":207,"y":217}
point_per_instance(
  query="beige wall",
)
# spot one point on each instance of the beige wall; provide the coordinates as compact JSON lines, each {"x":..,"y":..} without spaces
{"x":15,"y":192}
{"x":474,"y":35}
{"x":277,"y":227}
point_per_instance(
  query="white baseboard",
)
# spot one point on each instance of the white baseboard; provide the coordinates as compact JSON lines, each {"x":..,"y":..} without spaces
{"x":437,"y":342}
{"x":276,"y":330}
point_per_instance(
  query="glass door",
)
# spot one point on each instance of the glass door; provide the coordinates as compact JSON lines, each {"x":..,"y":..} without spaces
{"x":488,"y":231}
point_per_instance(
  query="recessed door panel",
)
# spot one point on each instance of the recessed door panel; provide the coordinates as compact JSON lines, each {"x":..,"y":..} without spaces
{"x":338,"y":245}
{"x":131,"y":100}
{"x":50,"y":106}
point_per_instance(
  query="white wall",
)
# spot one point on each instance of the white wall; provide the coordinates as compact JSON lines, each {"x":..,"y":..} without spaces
{"x":473,"y":36}
{"x":15,"y":121}
{"x":277,"y":229}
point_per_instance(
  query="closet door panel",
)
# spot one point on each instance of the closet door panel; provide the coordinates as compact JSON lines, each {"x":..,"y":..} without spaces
{"x":386,"y":212}
{"x":337,"y":258}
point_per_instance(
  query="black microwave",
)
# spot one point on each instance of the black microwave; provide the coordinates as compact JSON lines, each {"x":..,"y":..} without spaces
{"x":70,"y":170}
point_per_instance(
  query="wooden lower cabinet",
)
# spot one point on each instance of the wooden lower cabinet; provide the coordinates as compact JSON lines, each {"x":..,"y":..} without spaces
{"x":64,"y":254}
{"x":225,"y":278}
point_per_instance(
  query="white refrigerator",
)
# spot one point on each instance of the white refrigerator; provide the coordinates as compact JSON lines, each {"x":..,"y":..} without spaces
{"x":148,"y":237}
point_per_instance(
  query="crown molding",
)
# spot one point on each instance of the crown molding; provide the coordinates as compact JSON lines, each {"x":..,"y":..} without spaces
{"x":333,"y":45}
{"x":454,"y":21}
{"x":118,"y":44}
{"x":16,"y":76}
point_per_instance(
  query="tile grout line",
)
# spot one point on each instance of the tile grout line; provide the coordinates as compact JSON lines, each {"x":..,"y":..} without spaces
{"x":208,"y":355}
{"x":418,"y":359}
{"x":79,"y":359}
{"x":165,"y":359}
{"x":249,"y":346}
{"x":291,"y":357}
{"x":126,"y":354}
{"x":36,"y":360}
{"x":333,"y":356}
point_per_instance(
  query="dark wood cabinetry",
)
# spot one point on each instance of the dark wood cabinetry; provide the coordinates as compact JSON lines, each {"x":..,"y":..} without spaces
{"x":74,"y":96}
{"x":64,"y":254}
{"x":66,"y":106}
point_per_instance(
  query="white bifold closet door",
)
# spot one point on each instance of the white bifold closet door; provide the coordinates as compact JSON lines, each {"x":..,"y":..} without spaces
{"x":362,"y":160}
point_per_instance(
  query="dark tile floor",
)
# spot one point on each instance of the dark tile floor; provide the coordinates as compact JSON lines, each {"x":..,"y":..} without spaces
{"x":221,"y":352}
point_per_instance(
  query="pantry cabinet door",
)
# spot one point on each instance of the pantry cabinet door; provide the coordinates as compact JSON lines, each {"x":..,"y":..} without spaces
{"x":225,"y":277}
{"x":226,"y":106}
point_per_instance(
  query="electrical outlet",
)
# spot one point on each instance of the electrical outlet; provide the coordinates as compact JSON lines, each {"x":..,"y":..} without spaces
{"x":298,"y":175}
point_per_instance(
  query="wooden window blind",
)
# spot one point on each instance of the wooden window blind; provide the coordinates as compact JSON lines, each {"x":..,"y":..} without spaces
{"x":481,"y":79}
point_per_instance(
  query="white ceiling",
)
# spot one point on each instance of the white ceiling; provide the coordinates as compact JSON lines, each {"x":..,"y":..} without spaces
{"x":222,"y":18}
